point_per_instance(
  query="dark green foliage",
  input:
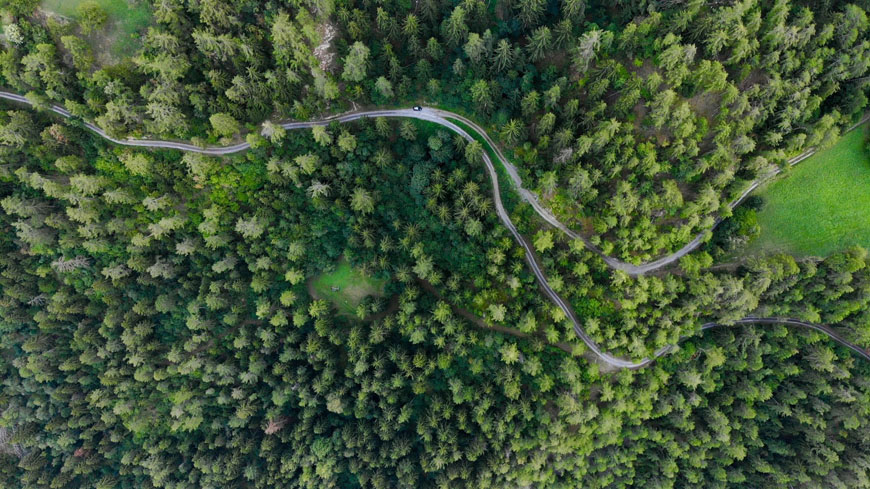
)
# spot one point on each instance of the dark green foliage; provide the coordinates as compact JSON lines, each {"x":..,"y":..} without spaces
{"x":156,"y":328}
{"x":688,"y":103}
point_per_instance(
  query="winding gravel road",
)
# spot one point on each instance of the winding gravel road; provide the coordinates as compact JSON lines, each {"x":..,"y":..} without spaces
{"x":441,"y":118}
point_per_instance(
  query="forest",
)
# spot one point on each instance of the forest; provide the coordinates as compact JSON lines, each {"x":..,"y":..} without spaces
{"x":170,"y":319}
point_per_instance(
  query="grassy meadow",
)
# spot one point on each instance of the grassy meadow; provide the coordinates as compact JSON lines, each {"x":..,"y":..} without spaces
{"x":120,"y":36}
{"x":351,"y":284}
{"x":822,"y":206}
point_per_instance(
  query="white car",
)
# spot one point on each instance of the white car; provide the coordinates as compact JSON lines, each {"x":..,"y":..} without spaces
{"x":418,"y":108}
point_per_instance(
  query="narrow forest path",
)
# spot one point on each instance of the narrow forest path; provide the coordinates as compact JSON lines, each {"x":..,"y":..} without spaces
{"x":532,"y":199}
{"x":440,"y":117}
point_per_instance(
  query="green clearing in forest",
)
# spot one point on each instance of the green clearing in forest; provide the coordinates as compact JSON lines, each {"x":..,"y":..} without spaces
{"x":121,"y":35}
{"x":824,"y":204}
{"x":352,"y":287}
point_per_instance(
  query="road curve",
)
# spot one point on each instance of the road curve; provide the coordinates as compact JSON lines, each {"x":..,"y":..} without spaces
{"x":441,"y":118}
{"x":616,"y":264}
{"x":822,"y":328}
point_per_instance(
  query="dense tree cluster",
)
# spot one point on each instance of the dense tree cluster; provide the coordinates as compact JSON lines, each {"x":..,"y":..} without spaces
{"x":639,"y":315}
{"x":157,"y":330}
{"x":635,"y":124}
{"x":748,"y":408}
{"x":158,"y":323}
{"x":156,"y":306}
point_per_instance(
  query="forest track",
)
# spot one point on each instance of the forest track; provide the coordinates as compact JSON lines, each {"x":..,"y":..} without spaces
{"x":631,"y":269}
{"x":822,"y":328}
{"x":440,"y":117}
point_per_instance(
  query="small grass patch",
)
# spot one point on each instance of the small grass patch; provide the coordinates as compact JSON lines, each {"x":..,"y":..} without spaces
{"x":120,"y":36}
{"x":345,"y":287}
{"x":823,"y":206}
